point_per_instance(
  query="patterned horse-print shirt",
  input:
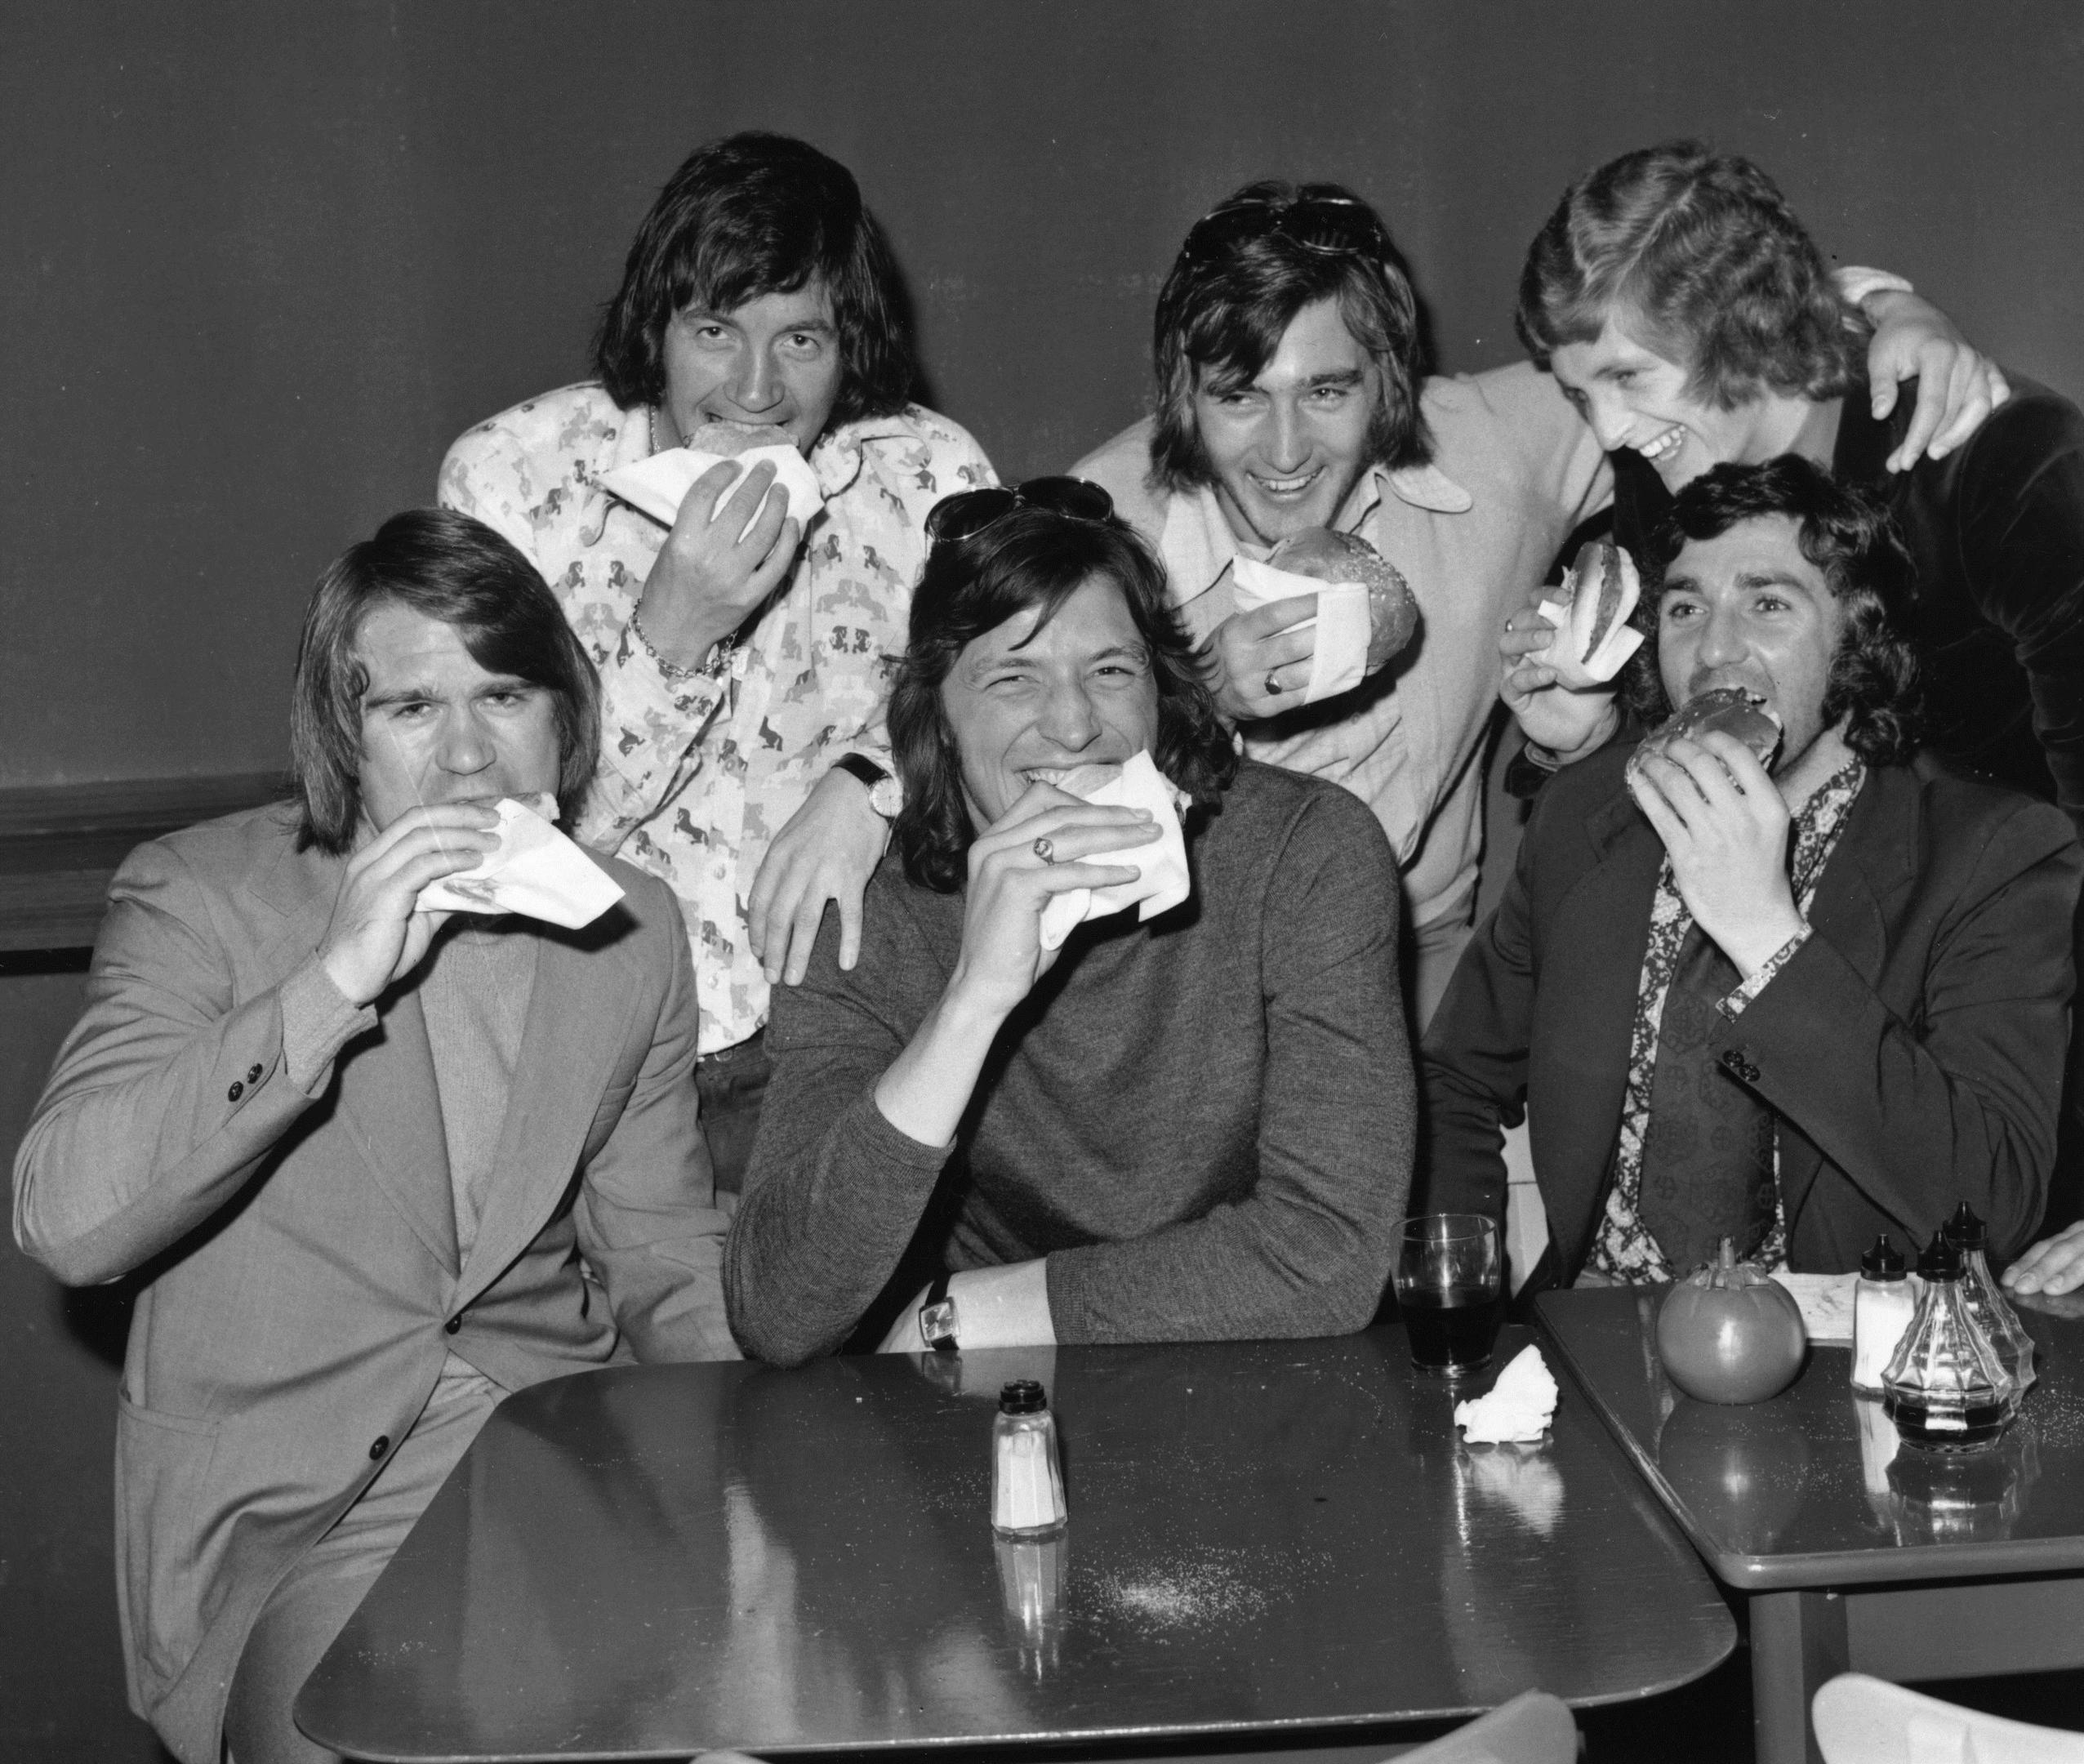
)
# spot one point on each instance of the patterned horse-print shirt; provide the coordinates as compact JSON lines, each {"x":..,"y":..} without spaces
{"x":699,"y":773}
{"x":1623,"y":1250}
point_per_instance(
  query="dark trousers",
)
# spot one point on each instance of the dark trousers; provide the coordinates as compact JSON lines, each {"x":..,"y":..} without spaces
{"x":730,"y":1085}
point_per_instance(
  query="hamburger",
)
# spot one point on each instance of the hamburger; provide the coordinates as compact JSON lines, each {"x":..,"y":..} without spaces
{"x":1590,"y":611}
{"x":1324,"y":555}
{"x":1731,"y":709}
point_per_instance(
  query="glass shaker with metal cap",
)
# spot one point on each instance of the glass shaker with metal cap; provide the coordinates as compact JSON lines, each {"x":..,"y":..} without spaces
{"x":1945,"y":1388}
{"x":1883,"y":1304}
{"x":1985,"y":1299}
{"x":1027,"y":1485}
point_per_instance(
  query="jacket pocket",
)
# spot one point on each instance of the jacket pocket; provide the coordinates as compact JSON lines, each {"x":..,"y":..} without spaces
{"x":162,"y":1472}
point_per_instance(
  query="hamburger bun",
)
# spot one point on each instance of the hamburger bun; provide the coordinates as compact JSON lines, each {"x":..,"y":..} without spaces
{"x":1324,"y":555}
{"x":1731,"y":709}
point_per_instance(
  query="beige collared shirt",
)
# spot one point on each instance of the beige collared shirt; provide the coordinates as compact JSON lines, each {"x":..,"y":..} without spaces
{"x":1514,"y":470}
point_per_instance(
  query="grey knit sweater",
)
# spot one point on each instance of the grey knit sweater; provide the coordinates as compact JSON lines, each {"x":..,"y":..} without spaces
{"x":1205,"y":1123}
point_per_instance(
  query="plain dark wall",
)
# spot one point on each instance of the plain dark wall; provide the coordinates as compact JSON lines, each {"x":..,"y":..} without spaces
{"x":268,"y":261}
{"x":262,"y":262}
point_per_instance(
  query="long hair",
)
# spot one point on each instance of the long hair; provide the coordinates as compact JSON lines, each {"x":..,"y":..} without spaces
{"x":1873,"y":683}
{"x":1032,"y":558}
{"x":1698,"y":256}
{"x":451,"y":568}
{"x":756,"y":214}
{"x":1246,"y":269}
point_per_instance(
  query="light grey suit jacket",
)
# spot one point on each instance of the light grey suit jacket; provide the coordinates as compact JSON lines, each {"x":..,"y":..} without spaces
{"x":302,"y":1286}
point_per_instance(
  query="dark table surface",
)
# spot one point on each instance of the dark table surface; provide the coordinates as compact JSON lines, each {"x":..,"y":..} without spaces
{"x":1264,"y":1537}
{"x":1811,"y":1488}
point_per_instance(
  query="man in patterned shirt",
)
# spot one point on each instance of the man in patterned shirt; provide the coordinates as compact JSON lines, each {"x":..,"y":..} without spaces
{"x":743,"y":659}
{"x":1795,"y":1010}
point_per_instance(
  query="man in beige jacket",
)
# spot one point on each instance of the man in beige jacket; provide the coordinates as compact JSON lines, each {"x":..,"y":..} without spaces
{"x":356,"y":1150}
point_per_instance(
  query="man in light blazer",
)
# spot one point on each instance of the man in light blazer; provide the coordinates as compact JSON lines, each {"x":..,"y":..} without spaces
{"x":1793,"y":1009}
{"x":376,"y":1166}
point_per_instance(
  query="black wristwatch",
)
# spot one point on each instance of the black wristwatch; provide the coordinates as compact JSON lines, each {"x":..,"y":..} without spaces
{"x":936,"y":1317}
{"x":886,"y":795}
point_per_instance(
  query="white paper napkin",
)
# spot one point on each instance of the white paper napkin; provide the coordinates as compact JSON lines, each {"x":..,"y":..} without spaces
{"x":659,"y":484}
{"x":1163,"y":883}
{"x":534,"y":871}
{"x":1519,"y":1407}
{"x":1580,"y":664}
{"x":1339,"y":661}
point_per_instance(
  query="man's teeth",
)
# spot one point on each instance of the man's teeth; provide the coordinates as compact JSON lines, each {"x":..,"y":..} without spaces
{"x":1050,"y":775}
{"x":1284,"y":486}
{"x":1669,"y":441}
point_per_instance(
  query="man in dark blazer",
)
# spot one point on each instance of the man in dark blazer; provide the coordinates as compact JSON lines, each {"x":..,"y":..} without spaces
{"x":1794,"y":1009}
{"x":376,"y":1166}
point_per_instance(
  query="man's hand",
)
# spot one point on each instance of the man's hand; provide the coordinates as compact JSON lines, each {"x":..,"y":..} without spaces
{"x":707,"y":580}
{"x":1958,"y":384}
{"x":2054,"y":1265}
{"x":1010,"y":883}
{"x":1726,"y":828}
{"x":826,"y":852}
{"x":1250,"y":647}
{"x":374,"y":935}
{"x":1568,"y":724}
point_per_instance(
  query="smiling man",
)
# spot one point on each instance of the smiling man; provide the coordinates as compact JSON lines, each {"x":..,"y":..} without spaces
{"x":354,"y":1152}
{"x":1291,"y":395}
{"x":1192,"y":1129}
{"x":1685,"y":311}
{"x":1793,"y":1009}
{"x":746,"y":651}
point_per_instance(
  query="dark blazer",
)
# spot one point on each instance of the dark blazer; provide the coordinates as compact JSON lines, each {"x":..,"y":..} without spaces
{"x":1912,"y":1048}
{"x":302,"y":1287}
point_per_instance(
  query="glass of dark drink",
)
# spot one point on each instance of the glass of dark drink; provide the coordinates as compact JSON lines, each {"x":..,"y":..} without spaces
{"x":1450,"y":1289}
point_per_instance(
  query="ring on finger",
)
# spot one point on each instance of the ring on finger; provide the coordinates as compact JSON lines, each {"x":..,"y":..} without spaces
{"x":1273,"y":683}
{"x":1045,"y":850}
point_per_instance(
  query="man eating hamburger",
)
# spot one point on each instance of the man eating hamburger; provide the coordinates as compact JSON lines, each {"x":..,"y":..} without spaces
{"x":1773,"y":974}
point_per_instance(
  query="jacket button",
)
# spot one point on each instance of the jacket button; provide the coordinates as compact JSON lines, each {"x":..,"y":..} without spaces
{"x":253,"y":1075}
{"x":381,"y":1445}
{"x":236,"y":1092}
{"x":454,"y":1323}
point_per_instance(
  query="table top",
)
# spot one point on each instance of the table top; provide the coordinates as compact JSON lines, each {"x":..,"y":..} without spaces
{"x":652,"y":1561}
{"x":1812,"y":1488}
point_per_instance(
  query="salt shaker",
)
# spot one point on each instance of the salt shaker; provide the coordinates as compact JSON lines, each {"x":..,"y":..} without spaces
{"x":1027,"y":1486}
{"x":1882,"y":1305}
{"x":1985,"y":1300}
{"x":1944,"y":1387}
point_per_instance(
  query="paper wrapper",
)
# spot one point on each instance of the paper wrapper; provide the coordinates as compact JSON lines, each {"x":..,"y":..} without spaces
{"x":1339,"y":661}
{"x":536,"y":871}
{"x":1519,"y":1407}
{"x":1580,"y":662}
{"x":659,"y":485}
{"x":1163,"y":883}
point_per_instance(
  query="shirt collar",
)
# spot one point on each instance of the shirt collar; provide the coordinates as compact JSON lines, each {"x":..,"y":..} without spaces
{"x":1198,"y":545}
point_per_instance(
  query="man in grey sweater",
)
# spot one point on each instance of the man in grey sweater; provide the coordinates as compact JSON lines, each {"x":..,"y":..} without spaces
{"x":1194,"y":1128}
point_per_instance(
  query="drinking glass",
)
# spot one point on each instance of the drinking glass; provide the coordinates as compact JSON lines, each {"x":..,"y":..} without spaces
{"x":1450,"y":1289}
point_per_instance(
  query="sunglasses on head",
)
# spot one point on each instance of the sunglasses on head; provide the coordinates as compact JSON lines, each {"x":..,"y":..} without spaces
{"x":1335,"y":226}
{"x":969,"y":512}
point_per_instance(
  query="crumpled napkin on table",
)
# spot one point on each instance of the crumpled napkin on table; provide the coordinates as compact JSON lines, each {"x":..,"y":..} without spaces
{"x":1519,"y":1407}
{"x":659,"y":484}
{"x":1163,"y":883}
{"x":1339,"y":662}
{"x":534,"y":871}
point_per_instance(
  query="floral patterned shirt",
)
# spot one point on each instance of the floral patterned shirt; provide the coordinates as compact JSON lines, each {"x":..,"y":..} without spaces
{"x":1623,"y":1248}
{"x":698,"y":774}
